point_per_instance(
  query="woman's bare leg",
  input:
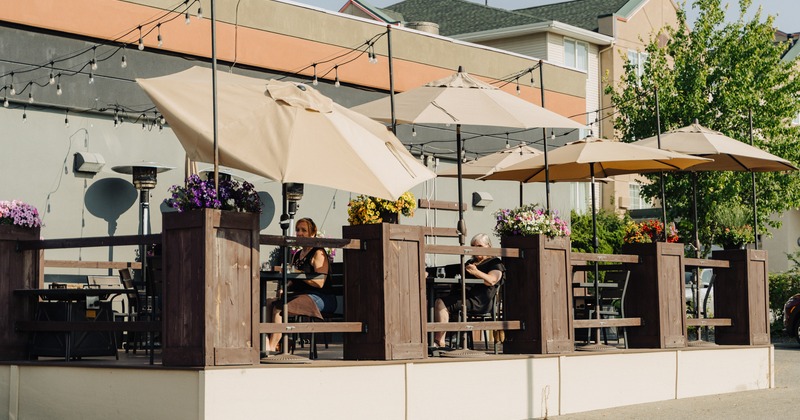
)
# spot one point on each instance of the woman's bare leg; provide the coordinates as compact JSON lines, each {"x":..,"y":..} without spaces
{"x":440,"y":314}
{"x":275,"y":338}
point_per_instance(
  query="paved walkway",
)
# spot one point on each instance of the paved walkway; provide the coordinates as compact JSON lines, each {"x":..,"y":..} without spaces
{"x":780,"y":402}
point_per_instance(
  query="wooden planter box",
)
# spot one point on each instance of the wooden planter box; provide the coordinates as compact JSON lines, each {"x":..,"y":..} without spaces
{"x":656,"y":295}
{"x":18,"y":270}
{"x":539,"y":294}
{"x":741,"y":293}
{"x":211,"y":265}
{"x":384,"y":288}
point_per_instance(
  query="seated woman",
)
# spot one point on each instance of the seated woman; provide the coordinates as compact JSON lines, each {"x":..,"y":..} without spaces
{"x":479,"y":296}
{"x":306,"y":297}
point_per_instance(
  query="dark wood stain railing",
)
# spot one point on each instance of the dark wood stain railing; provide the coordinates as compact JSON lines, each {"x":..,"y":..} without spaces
{"x":89,"y":242}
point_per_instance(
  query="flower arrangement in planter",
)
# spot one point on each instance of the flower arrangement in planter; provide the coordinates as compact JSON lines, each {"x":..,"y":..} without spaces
{"x":199,"y":194}
{"x":731,"y":229}
{"x":366,"y":210}
{"x":649,"y":231}
{"x":529,"y":220}
{"x":17,"y":213}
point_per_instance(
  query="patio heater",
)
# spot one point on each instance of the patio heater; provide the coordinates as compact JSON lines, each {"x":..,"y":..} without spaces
{"x":292,"y":194}
{"x":145,"y":177}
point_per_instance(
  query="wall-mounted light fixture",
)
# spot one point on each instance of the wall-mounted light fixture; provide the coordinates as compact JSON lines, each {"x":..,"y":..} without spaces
{"x":89,"y":162}
{"x":481,"y":199}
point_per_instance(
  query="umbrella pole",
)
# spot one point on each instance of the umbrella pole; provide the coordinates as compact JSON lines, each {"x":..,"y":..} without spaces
{"x":544,"y":140}
{"x":596,"y":346}
{"x":391,"y":76}
{"x":214,"y":92}
{"x":696,"y":270}
{"x":285,"y":356}
{"x":520,"y":195}
{"x":462,"y":233}
{"x":661,"y":174}
{"x":755,"y":205}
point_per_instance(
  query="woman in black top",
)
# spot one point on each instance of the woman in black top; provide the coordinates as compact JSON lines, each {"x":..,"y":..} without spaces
{"x":309,"y":260}
{"x":479,"y":296}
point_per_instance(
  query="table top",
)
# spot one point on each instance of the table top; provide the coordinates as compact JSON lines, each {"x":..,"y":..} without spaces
{"x":69,"y":294}
{"x":591,"y":285}
{"x":452,"y":280}
{"x":277,"y":275}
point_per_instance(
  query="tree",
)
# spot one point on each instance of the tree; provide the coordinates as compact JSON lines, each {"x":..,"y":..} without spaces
{"x":717,"y":74}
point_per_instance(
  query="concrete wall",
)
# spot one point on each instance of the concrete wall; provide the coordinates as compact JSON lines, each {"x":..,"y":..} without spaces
{"x":509,"y":387}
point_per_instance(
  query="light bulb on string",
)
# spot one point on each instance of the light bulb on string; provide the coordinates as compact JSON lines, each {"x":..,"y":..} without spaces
{"x":160,"y":39}
{"x":507,"y":145}
{"x":5,"y":102}
{"x":94,"y":58}
{"x":336,"y":82}
{"x":124,"y":62}
{"x":12,"y":91}
{"x":30,"y":96}
{"x":200,"y":12}
{"x":91,"y":77}
{"x":25,"y":114}
{"x":52,"y":77}
{"x":58,"y":85}
{"x":141,"y":40}
{"x":518,"y":90}
{"x":66,"y":118}
{"x":315,"y":81}
{"x":188,"y":19}
{"x":413,"y":131}
{"x":144,"y":122}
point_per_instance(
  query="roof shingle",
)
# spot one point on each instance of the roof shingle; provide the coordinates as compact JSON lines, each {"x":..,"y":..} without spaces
{"x":459,"y":16}
{"x":580,"y":13}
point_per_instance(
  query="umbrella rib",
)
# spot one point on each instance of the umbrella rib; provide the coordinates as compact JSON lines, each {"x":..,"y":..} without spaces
{"x":445,"y":111}
{"x":738,"y":162}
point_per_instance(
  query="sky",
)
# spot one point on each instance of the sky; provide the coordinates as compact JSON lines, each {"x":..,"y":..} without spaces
{"x":787,"y":12}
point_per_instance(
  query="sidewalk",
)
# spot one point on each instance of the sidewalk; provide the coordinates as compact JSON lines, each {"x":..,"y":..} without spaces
{"x":779,"y":402}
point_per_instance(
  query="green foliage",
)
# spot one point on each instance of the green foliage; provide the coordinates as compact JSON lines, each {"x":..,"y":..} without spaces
{"x":782,"y":286}
{"x":610,"y":231}
{"x":717,"y":74}
{"x":732,"y":227}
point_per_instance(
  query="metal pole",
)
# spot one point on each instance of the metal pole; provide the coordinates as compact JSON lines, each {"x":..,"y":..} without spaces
{"x":594,"y":249}
{"x":149,"y":293}
{"x":462,"y":229}
{"x":391,"y":76}
{"x":755,"y":204}
{"x":661,"y":174}
{"x":544,"y":139}
{"x":696,"y":271}
{"x":214,"y":91}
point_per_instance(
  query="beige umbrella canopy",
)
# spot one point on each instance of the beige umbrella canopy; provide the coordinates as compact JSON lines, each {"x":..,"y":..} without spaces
{"x":488,"y":164}
{"x":729,"y":154}
{"x":463,"y":99}
{"x":284,"y":131}
{"x":593,"y":157}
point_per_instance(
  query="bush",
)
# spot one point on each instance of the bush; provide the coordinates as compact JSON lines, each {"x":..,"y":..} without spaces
{"x":610,"y":231}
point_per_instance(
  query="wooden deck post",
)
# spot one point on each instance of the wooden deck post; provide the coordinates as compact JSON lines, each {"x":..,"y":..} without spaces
{"x":539,"y":294}
{"x":384,"y":288}
{"x":656,"y":295}
{"x":18,"y":270}
{"x":211,"y":274}
{"x":741,"y":293}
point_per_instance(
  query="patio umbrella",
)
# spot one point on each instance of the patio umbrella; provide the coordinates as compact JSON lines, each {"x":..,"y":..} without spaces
{"x":461,"y":99}
{"x":729,"y":155}
{"x":591,"y":158}
{"x":286,"y":132}
{"x":488,"y":164}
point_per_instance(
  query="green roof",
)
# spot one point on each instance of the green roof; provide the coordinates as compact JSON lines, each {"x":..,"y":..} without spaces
{"x":386,"y":15}
{"x":580,"y":13}
{"x":460,"y":16}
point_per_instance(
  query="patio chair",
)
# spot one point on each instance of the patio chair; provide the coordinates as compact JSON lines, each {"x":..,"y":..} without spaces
{"x":612,"y":300}
{"x":132,"y":340}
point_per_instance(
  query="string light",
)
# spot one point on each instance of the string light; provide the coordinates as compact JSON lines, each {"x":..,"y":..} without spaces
{"x":52,"y":77}
{"x":5,"y":101}
{"x":200,"y":11}
{"x":30,"y":95}
{"x":413,"y":131}
{"x":94,"y":58}
{"x":124,"y":62}
{"x":144,"y":122}
{"x":518,"y":91}
{"x":116,"y":114}
{"x":160,"y":39}
{"x":336,"y":82}
{"x":141,"y":41}
{"x":188,"y":19}
{"x":315,"y":81}
{"x":25,"y":114}
{"x":66,"y":118}
{"x":91,"y":77}
{"x":13,"y":91}
{"x":58,"y":86}
{"x":507,"y":145}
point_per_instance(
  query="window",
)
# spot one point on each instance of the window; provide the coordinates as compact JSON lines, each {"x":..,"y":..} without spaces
{"x":637,"y":60}
{"x":637,"y":202}
{"x":576,"y":54}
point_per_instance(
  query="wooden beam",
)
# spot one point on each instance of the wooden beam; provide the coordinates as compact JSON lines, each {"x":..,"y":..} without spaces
{"x":280,"y":240}
{"x":440,"y":205}
{"x":92,"y":264}
{"x":471,"y":250}
{"x":709,"y":322}
{"x":617,"y":258}
{"x":706,"y":263}
{"x":473,"y":326}
{"x":66,"y":326}
{"x":607,"y":322}
{"x":311,"y":327}
{"x":439,"y":231}
{"x":90,"y":242}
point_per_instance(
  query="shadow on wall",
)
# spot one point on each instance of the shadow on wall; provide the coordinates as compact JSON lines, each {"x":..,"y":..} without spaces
{"x":109,"y":198}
